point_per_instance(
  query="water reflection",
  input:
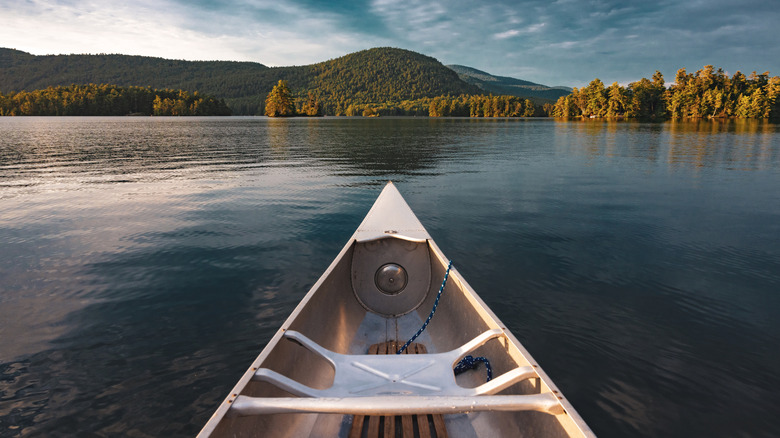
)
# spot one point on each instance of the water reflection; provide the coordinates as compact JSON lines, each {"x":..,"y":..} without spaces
{"x":738,"y":144}
{"x":741,"y":144}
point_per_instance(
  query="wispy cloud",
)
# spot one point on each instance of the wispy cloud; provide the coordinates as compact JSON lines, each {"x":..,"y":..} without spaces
{"x":564,"y":45}
{"x":508,"y":34}
{"x":517,"y":32}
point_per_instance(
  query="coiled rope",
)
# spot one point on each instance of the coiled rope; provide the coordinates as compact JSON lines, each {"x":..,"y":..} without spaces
{"x":468,"y":362}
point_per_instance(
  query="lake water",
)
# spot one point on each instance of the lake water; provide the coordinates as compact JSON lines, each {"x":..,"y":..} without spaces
{"x":144,"y":262}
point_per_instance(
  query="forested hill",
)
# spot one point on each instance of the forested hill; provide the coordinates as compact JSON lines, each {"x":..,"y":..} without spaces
{"x":384,"y":75}
{"x":23,"y":71}
{"x":374,"y":76}
{"x":502,"y":85}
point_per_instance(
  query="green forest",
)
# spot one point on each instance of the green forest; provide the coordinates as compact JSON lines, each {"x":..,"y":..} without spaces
{"x":109,"y":100}
{"x":705,"y":94}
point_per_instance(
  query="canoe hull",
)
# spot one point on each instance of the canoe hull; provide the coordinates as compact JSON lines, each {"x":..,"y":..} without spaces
{"x":334,"y":316}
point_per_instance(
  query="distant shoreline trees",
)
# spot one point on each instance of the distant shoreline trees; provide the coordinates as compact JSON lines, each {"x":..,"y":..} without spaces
{"x":109,"y":100}
{"x":282,"y":103}
{"x":706,"y":94}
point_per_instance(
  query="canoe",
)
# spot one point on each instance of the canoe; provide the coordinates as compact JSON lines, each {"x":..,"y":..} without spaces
{"x":372,"y":350}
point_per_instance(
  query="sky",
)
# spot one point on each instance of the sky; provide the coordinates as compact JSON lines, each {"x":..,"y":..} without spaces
{"x":563,"y":42}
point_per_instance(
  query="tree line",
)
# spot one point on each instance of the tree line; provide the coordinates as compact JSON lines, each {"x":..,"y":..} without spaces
{"x":109,"y":100}
{"x":281,"y":103}
{"x":463,"y":105}
{"x":707,"y":93}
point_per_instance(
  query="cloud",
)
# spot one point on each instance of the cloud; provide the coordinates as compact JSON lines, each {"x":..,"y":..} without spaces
{"x":566,"y":45}
{"x":105,"y":27}
{"x":516,"y":32}
{"x":508,"y":34}
{"x":273,"y":33}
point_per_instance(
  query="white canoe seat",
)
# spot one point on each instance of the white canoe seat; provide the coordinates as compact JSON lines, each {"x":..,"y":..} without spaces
{"x":395,"y":385}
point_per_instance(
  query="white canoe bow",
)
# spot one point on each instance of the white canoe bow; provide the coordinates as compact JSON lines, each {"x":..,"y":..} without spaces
{"x":316,"y":378}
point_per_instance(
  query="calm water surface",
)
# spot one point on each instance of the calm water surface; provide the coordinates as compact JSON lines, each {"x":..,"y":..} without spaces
{"x":144,"y":262}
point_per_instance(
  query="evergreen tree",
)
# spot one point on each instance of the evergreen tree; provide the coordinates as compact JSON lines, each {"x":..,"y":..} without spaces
{"x":279,"y":102}
{"x":530,"y":109}
{"x":312,"y":107}
{"x":773,"y":96}
{"x":616,"y":105}
{"x":596,"y":99}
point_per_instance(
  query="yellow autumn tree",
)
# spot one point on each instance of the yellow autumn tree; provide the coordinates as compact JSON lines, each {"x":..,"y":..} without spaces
{"x":279,"y":102}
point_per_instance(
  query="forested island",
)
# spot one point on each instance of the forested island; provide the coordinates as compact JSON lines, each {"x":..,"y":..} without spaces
{"x":705,"y":94}
{"x":110,"y":100}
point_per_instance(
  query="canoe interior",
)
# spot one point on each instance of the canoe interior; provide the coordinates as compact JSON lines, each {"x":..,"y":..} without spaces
{"x":332,"y":316}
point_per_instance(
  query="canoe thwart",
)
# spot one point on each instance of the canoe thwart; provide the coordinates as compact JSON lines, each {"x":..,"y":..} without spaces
{"x":394,"y":405}
{"x":366,"y":237}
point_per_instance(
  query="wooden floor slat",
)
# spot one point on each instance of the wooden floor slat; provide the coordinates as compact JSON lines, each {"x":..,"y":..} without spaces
{"x":373,"y":425}
{"x":438,"y":424}
{"x":357,"y":426}
{"x":387,"y":425}
{"x":423,"y":427}
{"x":407,"y":427}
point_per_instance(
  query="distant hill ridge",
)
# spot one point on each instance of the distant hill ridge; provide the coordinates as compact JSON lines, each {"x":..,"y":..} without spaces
{"x":506,"y":85}
{"x":370,"y":76}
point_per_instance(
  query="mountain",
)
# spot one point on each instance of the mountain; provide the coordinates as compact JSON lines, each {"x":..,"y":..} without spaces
{"x":370,"y":76}
{"x":502,"y":85}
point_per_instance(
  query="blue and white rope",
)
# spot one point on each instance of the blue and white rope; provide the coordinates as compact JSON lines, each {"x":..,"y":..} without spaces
{"x":435,"y":305}
{"x":470,"y":362}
